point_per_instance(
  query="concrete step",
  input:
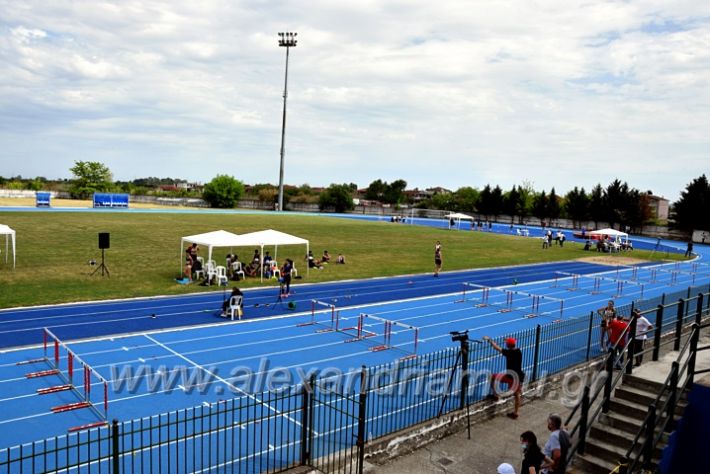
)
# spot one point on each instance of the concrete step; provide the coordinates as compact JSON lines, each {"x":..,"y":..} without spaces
{"x":590,"y":464}
{"x":642,"y":397}
{"x":621,"y":422}
{"x":628,"y":408}
{"x":642,"y":384}
{"x":612,"y":453}
{"x":636,"y":410}
{"x":617,"y":436}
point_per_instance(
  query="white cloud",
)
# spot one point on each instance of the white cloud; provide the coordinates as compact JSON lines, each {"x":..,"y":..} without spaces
{"x":452,"y":93}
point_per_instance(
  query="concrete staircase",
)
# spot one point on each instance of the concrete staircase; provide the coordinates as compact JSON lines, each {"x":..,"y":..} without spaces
{"x":613,"y":433}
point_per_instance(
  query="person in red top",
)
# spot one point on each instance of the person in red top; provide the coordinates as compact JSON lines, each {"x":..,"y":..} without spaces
{"x":617,"y":338}
{"x":513,"y":376}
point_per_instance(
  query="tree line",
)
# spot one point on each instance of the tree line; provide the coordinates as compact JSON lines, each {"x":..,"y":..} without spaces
{"x":616,"y":204}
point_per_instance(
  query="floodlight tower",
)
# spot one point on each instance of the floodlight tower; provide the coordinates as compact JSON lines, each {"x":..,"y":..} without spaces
{"x":286,"y":40}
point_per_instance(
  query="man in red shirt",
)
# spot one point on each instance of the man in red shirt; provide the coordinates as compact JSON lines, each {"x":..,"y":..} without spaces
{"x":618,"y":331}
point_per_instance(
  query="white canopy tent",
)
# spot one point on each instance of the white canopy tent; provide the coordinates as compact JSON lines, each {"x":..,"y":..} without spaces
{"x":9,"y":236}
{"x":613,"y":234}
{"x":268,"y":237}
{"x":262,"y":238}
{"x":217,"y":238}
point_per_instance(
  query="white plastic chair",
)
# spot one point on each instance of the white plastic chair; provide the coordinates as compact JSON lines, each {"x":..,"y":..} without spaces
{"x":294,"y":272}
{"x":275,"y":271}
{"x":237,"y":269}
{"x":221,"y":273}
{"x":210,"y":271}
{"x":235,"y":306}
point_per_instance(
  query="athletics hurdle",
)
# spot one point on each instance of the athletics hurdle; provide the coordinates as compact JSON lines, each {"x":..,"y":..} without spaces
{"x":565,"y":276}
{"x":389,"y":337}
{"x":485,"y":292}
{"x":54,"y":361}
{"x":330,"y":321}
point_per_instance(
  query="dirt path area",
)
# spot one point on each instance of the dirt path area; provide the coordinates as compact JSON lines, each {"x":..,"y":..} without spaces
{"x":30,"y":202}
{"x":612,"y":260}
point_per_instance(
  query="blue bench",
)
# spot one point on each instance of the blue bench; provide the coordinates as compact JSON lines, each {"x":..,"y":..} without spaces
{"x":111,"y":200}
{"x":43,"y":199}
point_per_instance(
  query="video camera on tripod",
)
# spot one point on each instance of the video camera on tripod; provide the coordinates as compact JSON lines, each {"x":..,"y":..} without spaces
{"x":459,"y":336}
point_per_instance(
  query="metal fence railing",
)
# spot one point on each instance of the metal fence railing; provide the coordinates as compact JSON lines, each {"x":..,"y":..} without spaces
{"x":324,"y":425}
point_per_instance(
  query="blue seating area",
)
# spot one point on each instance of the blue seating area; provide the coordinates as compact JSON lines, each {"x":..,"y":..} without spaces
{"x":110,"y":200}
{"x":43,"y":199}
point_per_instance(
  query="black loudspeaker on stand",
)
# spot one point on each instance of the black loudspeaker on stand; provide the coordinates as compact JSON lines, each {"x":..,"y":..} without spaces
{"x":104,"y":243}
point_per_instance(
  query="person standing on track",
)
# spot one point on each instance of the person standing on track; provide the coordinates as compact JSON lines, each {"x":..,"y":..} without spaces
{"x":286,"y":278}
{"x":607,"y":313}
{"x":437,"y":258}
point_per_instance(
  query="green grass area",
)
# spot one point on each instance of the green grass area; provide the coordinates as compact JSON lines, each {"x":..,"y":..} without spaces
{"x":53,"y":250}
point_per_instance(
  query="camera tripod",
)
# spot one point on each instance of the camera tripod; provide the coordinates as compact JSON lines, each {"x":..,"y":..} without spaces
{"x":462,"y":338}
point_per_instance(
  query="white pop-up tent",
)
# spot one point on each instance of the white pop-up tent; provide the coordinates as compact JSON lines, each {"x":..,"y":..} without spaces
{"x":271,"y":237}
{"x":217,"y":238}
{"x":612,"y":233}
{"x":9,"y":236}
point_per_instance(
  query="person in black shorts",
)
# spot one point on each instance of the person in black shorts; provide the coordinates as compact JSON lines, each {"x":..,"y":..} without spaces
{"x":286,"y":278}
{"x":437,"y":258}
{"x":607,"y":314}
{"x":513,"y":376}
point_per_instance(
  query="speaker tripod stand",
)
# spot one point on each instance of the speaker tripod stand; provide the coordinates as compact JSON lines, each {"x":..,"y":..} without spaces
{"x":103,"y":266}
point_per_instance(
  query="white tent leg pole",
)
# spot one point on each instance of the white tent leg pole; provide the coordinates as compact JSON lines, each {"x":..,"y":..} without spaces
{"x":182,"y":243}
{"x":261,"y":264}
{"x":308,"y":267}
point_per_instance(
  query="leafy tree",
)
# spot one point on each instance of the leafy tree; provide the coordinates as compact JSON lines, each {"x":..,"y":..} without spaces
{"x":692,"y":210}
{"x":223,"y":191}
{"x":444,"y":201}
{"x":376,"y":190}
{"x":388,"y":193}
{"x":89,"y":177}
{"x":485,"y":202}
{"x":269,"y":195}
{"x":394,"y":193}
{"x":496,"y":201}
{"x":638,"y":210}
{"x":527,"y":194}
{"x":597,"y":205}
{"x":553,"y":205}
{"x":616,"y":197}
{"x":577,"y":206}
{"x":337,"y":196}
{"x":465,"y":199}
{"x":540,"y":206}
{"x":511,"y":203}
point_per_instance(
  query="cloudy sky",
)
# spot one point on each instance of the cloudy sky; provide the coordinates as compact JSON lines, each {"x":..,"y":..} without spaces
{"x":438,"y":93}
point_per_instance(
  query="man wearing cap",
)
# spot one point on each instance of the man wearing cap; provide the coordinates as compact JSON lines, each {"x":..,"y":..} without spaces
{"x":513,"y":375}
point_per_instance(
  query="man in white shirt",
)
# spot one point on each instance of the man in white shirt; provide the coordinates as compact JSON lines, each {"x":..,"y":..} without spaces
{"x":556,"y":448}
{"x":643,"y":326}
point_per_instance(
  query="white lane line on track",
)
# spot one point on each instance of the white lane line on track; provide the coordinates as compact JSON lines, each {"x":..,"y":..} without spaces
{"x":198,"y":366}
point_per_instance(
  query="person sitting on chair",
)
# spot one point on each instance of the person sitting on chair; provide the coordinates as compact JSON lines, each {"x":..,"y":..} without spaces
{"x":225,"y":305}
{"x":252,"y":269}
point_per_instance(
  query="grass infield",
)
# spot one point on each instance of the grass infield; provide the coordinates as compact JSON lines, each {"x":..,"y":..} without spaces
{"x":54,"y":248}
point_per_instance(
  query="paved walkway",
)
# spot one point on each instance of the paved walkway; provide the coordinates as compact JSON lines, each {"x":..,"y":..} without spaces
{"x":497,"y":440}
{"x":492,"y":442}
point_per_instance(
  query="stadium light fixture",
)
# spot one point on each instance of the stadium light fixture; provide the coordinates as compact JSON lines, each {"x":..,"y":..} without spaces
{"x":288,"y":41}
